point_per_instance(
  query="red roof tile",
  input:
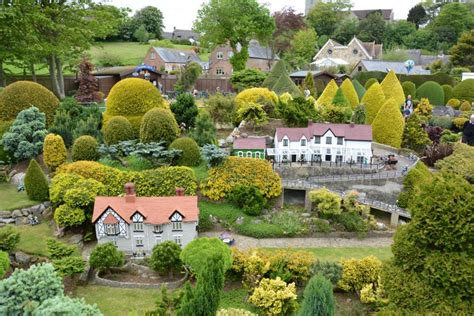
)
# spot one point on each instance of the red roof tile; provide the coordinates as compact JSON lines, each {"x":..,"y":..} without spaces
{"x":250,"y":143}
{"x":348,"y":131}
{"x":156,"y":210}
{"x":110,"y":219}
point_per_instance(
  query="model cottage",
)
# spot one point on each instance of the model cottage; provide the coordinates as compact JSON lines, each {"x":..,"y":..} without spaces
{"x":136,"y":224}
{"x":323,"y":142}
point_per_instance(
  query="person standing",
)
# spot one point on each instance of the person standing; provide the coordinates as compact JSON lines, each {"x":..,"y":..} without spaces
{"x":468,"y":132}
{"x":408,"y":107}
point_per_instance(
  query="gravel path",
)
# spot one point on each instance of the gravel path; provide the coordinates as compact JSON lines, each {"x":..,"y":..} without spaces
{"x":245,"y":243}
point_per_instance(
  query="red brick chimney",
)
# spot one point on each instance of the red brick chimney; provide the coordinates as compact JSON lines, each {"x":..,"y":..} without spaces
{"x":130,"y":195}
{"x":180,"y":192}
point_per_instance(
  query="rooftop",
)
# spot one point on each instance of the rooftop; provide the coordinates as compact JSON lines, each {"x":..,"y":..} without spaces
{"x":397,"y":66}
{"x":348,"y":131}
{"x":250,"y":143}
{"x":171,"y":55}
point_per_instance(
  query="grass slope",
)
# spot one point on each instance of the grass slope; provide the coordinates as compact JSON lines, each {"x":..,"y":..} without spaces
{"x":10,"y":199}
{"x":33,"y":238}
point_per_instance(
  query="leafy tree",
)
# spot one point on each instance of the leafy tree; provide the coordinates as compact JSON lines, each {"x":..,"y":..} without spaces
{"x":9,"y":238}
{"x":106,"y":256}
{"x":397,"y":32}
{"x":359,"y":115}
{"x":64,"y":305}
{"x":297,"y":112}
{"x":141,"y":34}
{"x":303,"y":48}
{"x":414,"y":135}
{"x":324,"y":17}
{"x":392,"y":88}
{"x":205,"y":131}
{"x":85,"y":148}
{"x":158,"y":125}
{"x":423,"y":38}
{"x":287,"y":23}
{"x":36,"y":184}
{"x":453,"y":19}
{"x":4,"y":263}
{"x":88,"y":88}
{"x":188,"y":76}
{"x":417,"y":15}
{"x":247,"y":78}
{"x":26,"y":135}
{"x":388,"y":125}
{"x":346,"y":30}
{"x":373,"y":28}
{"x":151,"y":19}
{"x":199,"y":251}
{"x":67,"y":216}
{"x":461,"y":53}
{"x":253,"y":113}
{"x":165,"y":258}
{"x":221,"y":108}
{"x":318,"y":298}
{"x":26,"y":288}
{"x":185,"y":110}
{"x":234,"y":22}
{"x":186,"y":306}
{"x":54,"y":151}
{"x":308,"y":83}
{"x":190,"y":154}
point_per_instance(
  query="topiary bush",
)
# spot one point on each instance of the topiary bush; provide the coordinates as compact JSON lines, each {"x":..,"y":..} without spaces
{"x":350,"y":93}
{"x":370,"y":82}
{"x":4,"y":263}
{"x":158,"y":125}
{"x":118,"y":129}
{"x":464,"y":90}
{"x":67,"y":216}
{"x":454,"y":103}
{"x":106,"y":256}
{"x":36,"y":184}
{"x":359,"y":88}
{"x":465,"y":106}
{"x":132,"y":98}
{"x":21,"y":95}
{"x":165,"y":258}
{"x":190,"y":153}
{"x":328,"y":94}
{"x":54,"y":151}
{"x":392,"y":88}
{"x":388,"y":125}
{"x":85,"y":148}
{"x":262,"y":96}
{"x":432,"y":91}
{"x":409,"y":88}
{"x":373,"y":100}
{"x":448,"y":93}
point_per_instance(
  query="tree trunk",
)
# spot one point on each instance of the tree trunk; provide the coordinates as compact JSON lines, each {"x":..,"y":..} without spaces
{"x":33,"y":72}
{"x":3,"y":81}
{"x":59,"y":69}
{"x":53,"y":75}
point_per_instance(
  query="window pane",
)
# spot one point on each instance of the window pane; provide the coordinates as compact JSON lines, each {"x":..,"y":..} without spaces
{"x":328,"y":140}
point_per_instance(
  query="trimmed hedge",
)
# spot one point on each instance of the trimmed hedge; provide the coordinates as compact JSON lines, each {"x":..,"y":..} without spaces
{"x":54,"y":151}
{"x":118,"y":129}
{"x":36,"y":184}
{"x":431,"y":91}
{"x":132,"y":98}
{"x":158,"y":125}
{"x":22,"y":95}
{"x":350,"y":92}
{"x":190,"y":153}
{"x":448,"y":93}
{"x":389,"y":124}
{"x":85,"y":148}
{"x":465,"y":90}
{"x":156,"y":182}
{"x":409,"y":88}
{"x":418,"y":80}
{"x":373,"y":100}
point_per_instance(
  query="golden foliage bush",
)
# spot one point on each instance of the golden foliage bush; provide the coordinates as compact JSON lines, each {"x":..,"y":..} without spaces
{"x":328,"y":94}
{"x":237,"y":171}
{"x":454,"y":103}
{"x":356,"y":273}
{"x":459,"y":122}
{"x":275,"y":297}
{"x":262,"y":96}
{"x":424,"y":108}
{"x":118,"y":129}
{"x":350,"y":93}
{"x":54,"y":151}
{"x":392,"y":88}
{"x":388,"y":125}
{"x":465,"y":106}
{"x":373,"y":100}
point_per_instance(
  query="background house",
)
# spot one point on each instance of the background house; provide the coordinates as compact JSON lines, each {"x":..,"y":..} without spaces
{"x":385,"y":66}
{"x":178,"y":34}
{"x":170,"y":59}
{"x":260,"y":57}
{"x":320,"y":78}
{"x":250,"y":147}
{"x":136,"y":224}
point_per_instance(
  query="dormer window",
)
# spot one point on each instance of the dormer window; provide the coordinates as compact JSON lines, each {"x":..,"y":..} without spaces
{"x":303,"y":142}
{"x":285,"y":142}
{"x":177,"y":221}
{"x":137,"y":222}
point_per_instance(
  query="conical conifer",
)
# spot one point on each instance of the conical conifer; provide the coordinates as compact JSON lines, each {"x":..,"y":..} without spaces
{"x":373,"y":100}
{"x":309,"y":84}
{"x":278,"y":69}
{"x":36,"y":184}
{"x":328,"y":94}
{"x":388,"y":125}
{"x":359,"y":88}
{"x":285,"y":84}
{"x":340,"y":99}
{"x":392,"y":88}
{"x":350,"y":92}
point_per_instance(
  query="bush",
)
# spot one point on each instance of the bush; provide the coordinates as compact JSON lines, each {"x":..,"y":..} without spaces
{"x":54,"y":151}
{"x":286,"y":85}
{"x":85,"y":148}
{"x":221,"y":108}
{"x":454,"y":103}
{"x":350,"y":93}
{"x":360,"y":115}
{"x":370,"y":82}
{"x":465,"y":106}
{"x":290,"y":222}
{"x":325,"y":201}
{"x":328,"y":94}
{"x":106,"y":256}
{"x":64,"y":305}
{"x":352,"y":222}
{"x":205,"y":131}
{"x":200,"y":251}
{"x":262,"y":96}
{"x":436,"y":152}
{"x":158,"y":125}
{"x":132,"y":98}
{"x":69,"y":266}
{"x":185,"y":110}
{"x":318,"y":298}
{"x":416,"y":176}
{"x":448,"y":93}
{"x":252,"y":113}
{"x":9,"y":239}
{"x":165,"y":258}
{"x":448,"y":137}
{"x":4,"y":263}
{"x":297,"y":112}
{"x":444,"y":122}
{"x":213,"y":155}
{"x":336,"y":114}
{"x":28,"y":288}
{"x":328,"y":269}
{"x":359,"y":88}
{"x":234,"y":312}
{"x":118,"y":129}
{"x":67,"y":216}
{"x":260,"y":230}
{"x":357,"y":273}
{"x":464,"y":90}
{"x":190,"y":154}
{"x":59,"y":250}
{"x":36,"y":184}
{"x":247,"y":78}
{"x":373,"y":100}
{"x":460,"y":162}
{"x":74,"y":190}
{"x":459,"y":122}
{"x":388,"y":125}
{"x":414,"y":135}
{"x":275,"y":297}
{"x":409,"y":88}
{"x":241,"y":171}
{"x":431,"y":91}
{"x":392,"y":88}
{"x":248,"y":198}
{"x":21,"y":95}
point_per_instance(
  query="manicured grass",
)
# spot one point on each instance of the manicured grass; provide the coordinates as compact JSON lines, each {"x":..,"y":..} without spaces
{"x":11,"y":199}
{"x":118,"y":302}
{"x":33,"y":238}
{"x":336,"y":254}
{"x":201,"y":171}
{"x":234,"y":298}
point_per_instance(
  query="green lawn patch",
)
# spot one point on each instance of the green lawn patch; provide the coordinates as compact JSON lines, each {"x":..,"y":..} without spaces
{"x":234,"y":298}
{"x":33,"y":238}
{"x":11,"y":199}
{"x":336,"y":254}
{"x":116,"y":301}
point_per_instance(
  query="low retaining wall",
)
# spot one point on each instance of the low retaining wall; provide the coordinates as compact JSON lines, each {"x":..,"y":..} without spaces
{"x":133,"y":285}
{"x":21,"y":216}
{"x":304,"y":172}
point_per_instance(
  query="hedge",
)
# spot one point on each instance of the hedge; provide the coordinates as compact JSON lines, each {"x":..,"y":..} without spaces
{"x":432,"y":91}
{"x":350,"y":92}
{"x":409,"y":88}
{"x":118,"y":129}
{"x":85,"y":148}
{"x":388,"y":125}
{"x":54,"y":151}
{"x":156,"y":182}
{"x":21,"y":95}
{"x":448,"y":93}
{"x":158,"y":125}
{"x":392,"y":88}
{"x":418,"y":80}
{"x":237,"y":171}
{"x":328,"y":94}
{"x":36,"y":184}
{"x":190,"y":153}
{"x":465,"y":90}
{"x":373,"y":100}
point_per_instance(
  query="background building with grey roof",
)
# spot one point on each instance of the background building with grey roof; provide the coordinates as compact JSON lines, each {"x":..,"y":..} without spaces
{"x":170,"y":59}
{"x":386,"y":66}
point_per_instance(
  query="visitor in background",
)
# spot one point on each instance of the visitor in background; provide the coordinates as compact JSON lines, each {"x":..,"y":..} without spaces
{"x":408,"y":107}
{"x":307,"y":93}
{"x":468,"y":132}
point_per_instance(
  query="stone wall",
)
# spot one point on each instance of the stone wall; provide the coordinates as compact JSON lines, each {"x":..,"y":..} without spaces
{"x":21,"y":216}
{"x":304,"y":172}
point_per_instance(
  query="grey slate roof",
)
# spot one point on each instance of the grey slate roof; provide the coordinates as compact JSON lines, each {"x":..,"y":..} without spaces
{"x":260,"y":52}
{"x":398,"y":67}
{"x":170,"y":55}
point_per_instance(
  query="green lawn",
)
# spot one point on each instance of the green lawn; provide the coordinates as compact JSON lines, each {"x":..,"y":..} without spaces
{"x":336,"y":254}
{"x":10,"y":199}
{"x":33,"y":238}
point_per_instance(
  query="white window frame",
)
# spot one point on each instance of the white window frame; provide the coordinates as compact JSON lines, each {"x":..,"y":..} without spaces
{"x":220,"y":55}
{"x":317,"y":140}
{"x":177,"y":222}
{"x":111,"y":229}
{"x":137,"y":222}
{"x":220,"y":71}
{"x":240,"y":154}
{"x":341,"y":139}
{"x":152,"y":55}
{"x":257,"y":155}
{"x":249,"y":154}
{"x":303,"y":142}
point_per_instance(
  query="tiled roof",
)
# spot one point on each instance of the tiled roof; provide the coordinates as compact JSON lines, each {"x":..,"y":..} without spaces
{"x":110,"y":219}
{"x":348,"y":131}
{"x":170,"y":55}
{"x":156,"y":210}
{"x":250,"y":143}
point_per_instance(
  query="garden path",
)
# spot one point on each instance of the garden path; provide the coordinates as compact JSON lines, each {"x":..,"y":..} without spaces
{"x":245,"y":243}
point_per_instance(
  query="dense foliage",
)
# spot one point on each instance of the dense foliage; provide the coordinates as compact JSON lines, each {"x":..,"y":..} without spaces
{"x":106,"y":256}
{"x":297,"y":112}
{"x":118,"y":129}
{"x":185,"y":110}
{"x":199,"y":251}
{"x":88,"y":90}
{"x":415,"y":136}
{"x":373,"y":100}
{"x":205,"y":132}
{"x":4,"y":263}
{"x":409,"y":88}
{"x":54,"y":151}
{"x":318,"y":298}
{"x":85,"y":148}
{"x":464,"y":90}
{"x":388,"y":125}
{"x":262,"y":96}
{"x":417,"y":176}
{"x":9,"y":238}
{"x":248,"y":198}
{"x":432,"y":91}
{"x":328,"y":94}
{"x":36,"y":183}
{"x":221,"y":108}
{"x":158,"y":125}
{"x":190,"y":153}
{"x":275,"y":297}
{"x":392,"y":88}
{"x":64,"y":305}
{"x":350,"y":92}
{"x":165,"y":258}
{"x":247,"y":78}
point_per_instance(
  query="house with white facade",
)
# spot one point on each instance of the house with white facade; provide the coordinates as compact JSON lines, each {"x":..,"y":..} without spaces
{"x":136,"y":224}
{"x":323,"y":142}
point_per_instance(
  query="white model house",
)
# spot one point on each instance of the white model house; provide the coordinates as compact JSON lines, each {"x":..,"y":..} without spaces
{"x":136,"y":224}
{"x":323,"y":142}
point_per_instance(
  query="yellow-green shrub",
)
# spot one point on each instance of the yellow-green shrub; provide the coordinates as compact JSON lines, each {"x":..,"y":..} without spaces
{"x":392,"y":88}
{"x":21,"y":95}
{"x":66,"y":216}
{"x":237,"y":171}
{"x":132,"y":98}
{"x":262,"y":96}
{"x":350,"y":92}
{"x":424,"y":108}
{"x":234,"y":312}
{"x":328,"y":94}
{"x":292,"y":266}
{"x":285,"y":98}
{"x":454,"y":103}
{"x":356,"y":273}
{"x":85,"y":148}
{"x":459,"y":122}
{"x":373,"y":100}
{"x":158,"y":125}
{"x":325,"y":201}
{"x":118,"y":129}
{"x":388,"y":125}
{"x":275,"y":297}
{"x":465,"y":106}
{"x":54,"y":151}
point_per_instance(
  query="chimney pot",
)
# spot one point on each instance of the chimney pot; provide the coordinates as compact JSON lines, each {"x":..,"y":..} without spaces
{"x":129,"y":192}
{"x":180,"y":191}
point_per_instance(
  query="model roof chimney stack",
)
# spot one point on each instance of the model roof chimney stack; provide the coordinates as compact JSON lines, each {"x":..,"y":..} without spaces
{"x":130,"y":193}
{"x":180,"y":191}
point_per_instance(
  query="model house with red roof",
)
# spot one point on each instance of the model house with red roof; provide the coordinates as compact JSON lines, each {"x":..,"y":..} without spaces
{"x":250,"y":147}
{"x":136,"y":224}
{"x":321,"y":142}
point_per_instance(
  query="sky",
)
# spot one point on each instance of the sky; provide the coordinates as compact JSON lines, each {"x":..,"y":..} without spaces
{"x":182,"y":13}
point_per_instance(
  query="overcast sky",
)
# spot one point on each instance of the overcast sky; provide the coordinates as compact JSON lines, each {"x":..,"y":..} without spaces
{"x":182,"y":13}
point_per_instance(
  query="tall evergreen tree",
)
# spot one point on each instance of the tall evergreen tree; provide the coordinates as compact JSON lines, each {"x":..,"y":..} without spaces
{"x":36,"y":184}
{"x":318,"y":298}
